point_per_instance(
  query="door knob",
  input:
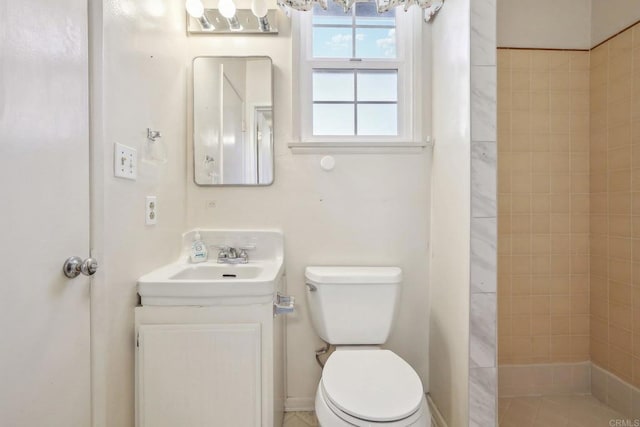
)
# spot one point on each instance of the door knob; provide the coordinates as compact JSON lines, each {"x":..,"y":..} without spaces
{"x":74,"y":266}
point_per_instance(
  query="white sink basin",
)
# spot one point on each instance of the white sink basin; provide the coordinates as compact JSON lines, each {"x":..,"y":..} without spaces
{"x":219,"y":272}
{"x":211,"y":283}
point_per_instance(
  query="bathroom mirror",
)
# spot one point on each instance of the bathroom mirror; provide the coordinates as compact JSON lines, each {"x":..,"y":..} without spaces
{"x":232,"y":120}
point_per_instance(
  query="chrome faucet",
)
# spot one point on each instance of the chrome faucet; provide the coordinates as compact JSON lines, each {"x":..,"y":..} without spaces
{"x":229,"y":255}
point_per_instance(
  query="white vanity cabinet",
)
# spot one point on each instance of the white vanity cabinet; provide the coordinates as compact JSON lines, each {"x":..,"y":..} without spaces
{"x":209,"y":350}
{"x":209,"y":366}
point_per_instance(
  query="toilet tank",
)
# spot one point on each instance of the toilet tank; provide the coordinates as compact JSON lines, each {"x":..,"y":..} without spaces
{"x":353,"y":305}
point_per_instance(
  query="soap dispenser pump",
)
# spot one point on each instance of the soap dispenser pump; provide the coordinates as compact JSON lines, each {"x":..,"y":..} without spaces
{"x":198,"y":249}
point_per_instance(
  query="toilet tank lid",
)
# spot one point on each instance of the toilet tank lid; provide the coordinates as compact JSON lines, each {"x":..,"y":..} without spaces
{"x":352,"y":275}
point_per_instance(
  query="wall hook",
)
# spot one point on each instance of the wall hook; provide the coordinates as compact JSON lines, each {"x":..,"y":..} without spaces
{"x":152,"y":135}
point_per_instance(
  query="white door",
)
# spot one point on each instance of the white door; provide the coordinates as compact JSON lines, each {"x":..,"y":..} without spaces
{"x":44,"y":213}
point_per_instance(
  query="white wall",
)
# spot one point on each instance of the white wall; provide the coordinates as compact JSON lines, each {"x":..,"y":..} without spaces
{"x":611,"y":16}
{"x":546,"y":23}
{"x":451,"y":213}
{"x":139,"y":81}
{"x":372,"y":210}
{"x":567,"y":24}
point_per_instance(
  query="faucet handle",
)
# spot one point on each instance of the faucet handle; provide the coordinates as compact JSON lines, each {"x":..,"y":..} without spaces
{"x":223,"y":250}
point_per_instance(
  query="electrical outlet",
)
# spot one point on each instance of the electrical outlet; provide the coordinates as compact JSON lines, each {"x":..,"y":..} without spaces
{"x":125,"y":162}
{"x":151,"y":210}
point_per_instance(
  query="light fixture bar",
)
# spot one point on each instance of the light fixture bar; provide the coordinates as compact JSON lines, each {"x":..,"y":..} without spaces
{"x":263,"y":23}
{"x":234,"y":23}
{"x":205,"y":24}
{"x":243,"y":21}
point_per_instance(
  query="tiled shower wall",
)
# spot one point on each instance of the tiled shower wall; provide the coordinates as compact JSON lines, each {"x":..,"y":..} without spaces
{"x":615,"y":205}
{"x":543,"y":206}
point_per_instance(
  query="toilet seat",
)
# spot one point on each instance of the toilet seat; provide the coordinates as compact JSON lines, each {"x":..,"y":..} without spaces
{"x":371,"y":385}
{"x":330,"y":416}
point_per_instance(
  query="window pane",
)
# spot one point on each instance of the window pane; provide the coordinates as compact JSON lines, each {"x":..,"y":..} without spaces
{"x":333,"y":85}
{"x":334,"y":15}
{"x":377,"y":119}
{"x":332,"y":42}
{"x":367,"y":14}
{"x":333,"y":119}
{"x":377,"y":86}
{"x":375,"y":42}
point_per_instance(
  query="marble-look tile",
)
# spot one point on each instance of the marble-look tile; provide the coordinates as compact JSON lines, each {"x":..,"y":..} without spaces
{"x":635,"y":404}
{"x":581,"y":378}
{"x":482,"y":397}
{"x":598,"y":383}
{"x":483,"y":179}
{"x":619,"y":394}
{"x":483,"y":103}
{"x":484,"y":255}
{"x":483,"y":32}
{"x":551,"y":378}
{"x":482,"y":330}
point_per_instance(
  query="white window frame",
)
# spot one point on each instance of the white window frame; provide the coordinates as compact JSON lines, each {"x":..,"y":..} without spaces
{"x":408,"y":63}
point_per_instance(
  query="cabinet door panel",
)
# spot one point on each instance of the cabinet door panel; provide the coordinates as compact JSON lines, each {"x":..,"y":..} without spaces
{"x":199,"y":375}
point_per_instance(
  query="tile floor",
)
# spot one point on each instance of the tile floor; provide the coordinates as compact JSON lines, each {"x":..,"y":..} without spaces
{"x":558,"y":411}
{"x":300,"y":419}
{"x":543,"y":411}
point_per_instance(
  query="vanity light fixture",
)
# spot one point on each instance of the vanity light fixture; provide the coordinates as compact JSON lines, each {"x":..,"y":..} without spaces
{"x":259,"y":9}
{"x":226,"y":18}
{"x":195,"y":8}
{"x":227,"y":8}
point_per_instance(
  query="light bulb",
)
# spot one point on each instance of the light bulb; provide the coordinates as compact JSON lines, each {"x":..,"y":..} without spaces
{"x":194,"y":8}
{"x":227,"y":8}
{"x":259,"y":8}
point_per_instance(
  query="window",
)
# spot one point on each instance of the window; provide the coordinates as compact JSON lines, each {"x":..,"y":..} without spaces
{"x":356,"y":74}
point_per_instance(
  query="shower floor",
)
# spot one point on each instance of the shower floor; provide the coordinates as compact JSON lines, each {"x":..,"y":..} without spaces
{"x":558,"y":411}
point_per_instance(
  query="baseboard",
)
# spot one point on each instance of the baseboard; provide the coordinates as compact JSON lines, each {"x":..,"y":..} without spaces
{"x":299,"y":404}
{"x":615,"y":392}
{"x":544,"y":379}
{"x":437,"y":420}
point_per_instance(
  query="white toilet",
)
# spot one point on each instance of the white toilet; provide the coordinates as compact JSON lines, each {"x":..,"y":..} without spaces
{"x":362,"y":385}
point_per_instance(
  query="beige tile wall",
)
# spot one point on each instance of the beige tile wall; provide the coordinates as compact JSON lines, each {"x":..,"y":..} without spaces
{"x":543,"y":213}
{"x":615,"y":205}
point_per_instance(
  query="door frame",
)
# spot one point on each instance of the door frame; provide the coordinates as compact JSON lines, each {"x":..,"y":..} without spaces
{"x":99,"y":330}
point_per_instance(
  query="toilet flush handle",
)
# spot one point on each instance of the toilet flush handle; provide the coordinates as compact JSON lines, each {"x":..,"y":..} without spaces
{"x":312,"y":287}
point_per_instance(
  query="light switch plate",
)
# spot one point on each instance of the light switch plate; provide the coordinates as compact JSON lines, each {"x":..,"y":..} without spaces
{"x":151,"y":210}
{"x":125,"y":162}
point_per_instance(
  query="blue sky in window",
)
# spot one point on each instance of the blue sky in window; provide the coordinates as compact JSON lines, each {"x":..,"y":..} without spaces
{"x":335,"y":42}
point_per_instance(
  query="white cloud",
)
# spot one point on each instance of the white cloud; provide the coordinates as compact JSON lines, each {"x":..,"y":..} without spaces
{"x":339,"y":41}
{"x":388,"y":44}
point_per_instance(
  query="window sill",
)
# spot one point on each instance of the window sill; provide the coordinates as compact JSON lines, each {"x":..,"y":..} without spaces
{"x":359,"y":147}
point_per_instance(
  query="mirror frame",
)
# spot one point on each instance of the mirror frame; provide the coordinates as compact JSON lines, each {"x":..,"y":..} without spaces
{"x":193,"y":120}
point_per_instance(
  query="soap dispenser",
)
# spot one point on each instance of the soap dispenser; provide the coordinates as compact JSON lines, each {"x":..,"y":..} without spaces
{"x":198,"y":249}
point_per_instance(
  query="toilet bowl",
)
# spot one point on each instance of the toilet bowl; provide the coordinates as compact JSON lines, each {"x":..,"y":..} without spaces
{"x":370,"y":387}
{"x":362,"y":384}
